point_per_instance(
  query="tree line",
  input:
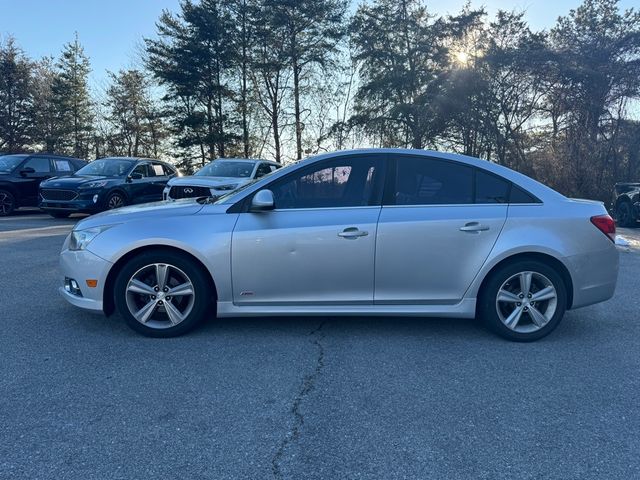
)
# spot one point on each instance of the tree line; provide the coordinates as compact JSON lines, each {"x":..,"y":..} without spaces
{"x":283,"y":79}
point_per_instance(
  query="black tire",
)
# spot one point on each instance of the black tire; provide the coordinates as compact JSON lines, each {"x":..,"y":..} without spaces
{"x":60,"y":214}
{"x":490,"y":310}
{"x":7,"y":203}
{"x":159,"y":324}
{"x":115,"y":200}
{"x":624,"y":214}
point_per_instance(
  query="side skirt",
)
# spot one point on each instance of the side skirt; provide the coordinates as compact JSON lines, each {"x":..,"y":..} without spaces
{"x":465,"y":309}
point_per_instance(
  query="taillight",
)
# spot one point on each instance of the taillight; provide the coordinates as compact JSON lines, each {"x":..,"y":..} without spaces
{"x":606,"y":225}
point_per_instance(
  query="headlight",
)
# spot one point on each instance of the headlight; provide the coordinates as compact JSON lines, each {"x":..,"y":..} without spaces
{"x":79,"y":239}
{"x":225,"y":187}
{"x":98,"y":184}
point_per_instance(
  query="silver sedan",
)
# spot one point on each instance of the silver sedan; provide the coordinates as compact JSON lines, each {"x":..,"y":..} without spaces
{"x":366,"y":232}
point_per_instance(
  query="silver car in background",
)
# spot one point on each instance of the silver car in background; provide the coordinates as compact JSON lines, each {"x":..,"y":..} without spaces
{"x":366,"y":232}
{"x":218,"y":178}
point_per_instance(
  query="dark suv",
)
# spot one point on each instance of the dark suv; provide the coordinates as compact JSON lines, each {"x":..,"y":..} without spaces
{"x":21,"y":174}
{"x":105,"y":184}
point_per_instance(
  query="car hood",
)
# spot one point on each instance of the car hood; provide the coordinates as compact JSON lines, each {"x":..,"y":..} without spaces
{"x":205,"y":181}
{"x":159,"y":210}
{"x":74,"y":181}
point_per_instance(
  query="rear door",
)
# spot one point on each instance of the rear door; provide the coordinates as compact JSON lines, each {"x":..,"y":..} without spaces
{"x":439,"y":222}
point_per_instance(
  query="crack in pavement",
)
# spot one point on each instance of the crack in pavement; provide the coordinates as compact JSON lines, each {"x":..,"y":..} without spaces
{"x":308,"y":384}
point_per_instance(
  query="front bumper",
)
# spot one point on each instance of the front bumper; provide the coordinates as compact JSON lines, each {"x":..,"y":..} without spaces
{"x":84,"y":203}
{"x":81,"y":266}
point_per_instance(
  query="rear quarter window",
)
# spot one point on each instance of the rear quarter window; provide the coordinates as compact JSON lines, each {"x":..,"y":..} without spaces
{"x":491,"y":188}
{"x":518,"y":195}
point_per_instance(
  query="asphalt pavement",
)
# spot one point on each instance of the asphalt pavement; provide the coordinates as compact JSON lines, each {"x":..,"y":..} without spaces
{"x":84,"y":397}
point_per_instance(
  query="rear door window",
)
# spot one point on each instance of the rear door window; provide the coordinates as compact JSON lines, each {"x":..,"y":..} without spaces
{"x":62,"y":166}
{"x":428,"y":181}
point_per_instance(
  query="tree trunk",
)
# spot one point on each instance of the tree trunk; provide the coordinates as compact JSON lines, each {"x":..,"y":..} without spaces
{"x":296,"y":101}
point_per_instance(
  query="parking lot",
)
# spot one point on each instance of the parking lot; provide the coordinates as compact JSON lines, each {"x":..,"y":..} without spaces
{"x":82,"y":396}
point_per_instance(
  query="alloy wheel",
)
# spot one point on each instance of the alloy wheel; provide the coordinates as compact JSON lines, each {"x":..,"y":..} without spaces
{"x":115,"y":201}
{"x":6,"y":203}
{"x":526,"y":302}
{"x":160,"y":296}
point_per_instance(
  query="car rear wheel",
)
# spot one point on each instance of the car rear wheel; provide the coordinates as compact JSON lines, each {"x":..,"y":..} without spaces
{"x":115,"y":200}
{"x":162,"y":294}
{"x":7,"y":203}
{"x":624,"y":214}
{"x":523,"y":301}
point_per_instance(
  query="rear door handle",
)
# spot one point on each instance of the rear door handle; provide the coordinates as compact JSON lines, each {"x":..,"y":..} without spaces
{"x":352,"y":232}
{"x":474,"y":227}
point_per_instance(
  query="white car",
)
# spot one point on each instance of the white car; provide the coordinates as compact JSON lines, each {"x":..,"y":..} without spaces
{"x":218,"y":177}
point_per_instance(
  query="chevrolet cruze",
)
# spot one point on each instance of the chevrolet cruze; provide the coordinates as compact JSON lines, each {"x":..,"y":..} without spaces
{"x":368,"y":232}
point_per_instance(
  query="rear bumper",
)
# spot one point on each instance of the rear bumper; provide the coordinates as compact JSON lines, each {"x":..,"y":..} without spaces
{"x":594,"y":276}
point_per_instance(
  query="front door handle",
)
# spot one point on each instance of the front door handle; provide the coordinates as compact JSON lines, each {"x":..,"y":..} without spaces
{"x":474,"y":227}
{"x":352,"y":232}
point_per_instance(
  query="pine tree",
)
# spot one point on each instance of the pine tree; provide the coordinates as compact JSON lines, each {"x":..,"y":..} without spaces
{"x":72,"y":101}
{"x":16,"y":98}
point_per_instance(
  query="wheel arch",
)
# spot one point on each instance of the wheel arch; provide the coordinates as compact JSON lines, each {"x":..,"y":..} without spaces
{"x":538,"y":256}
{"x":107,"y":294}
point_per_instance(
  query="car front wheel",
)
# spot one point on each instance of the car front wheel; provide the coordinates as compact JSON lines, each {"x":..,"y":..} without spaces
{"x":115,"y":200}
{"x":162,"y":294}
{"x":7,"y":203}
{"x":523,"y":301}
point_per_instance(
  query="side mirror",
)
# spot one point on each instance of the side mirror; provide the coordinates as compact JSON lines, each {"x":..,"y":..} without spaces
{"x":262,"y":201}
{"x":135,"y":176}
{"x":27,"y":170}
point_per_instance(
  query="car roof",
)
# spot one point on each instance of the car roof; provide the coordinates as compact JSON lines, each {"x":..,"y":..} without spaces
{"x":134,"y":159}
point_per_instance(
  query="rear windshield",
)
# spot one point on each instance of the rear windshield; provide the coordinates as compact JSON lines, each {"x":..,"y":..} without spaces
{"x":108,"y":167}
{"x":227,"y":168}
{"x":9,"y":162}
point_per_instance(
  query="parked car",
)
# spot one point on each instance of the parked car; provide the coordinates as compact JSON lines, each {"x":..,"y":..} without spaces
{"x":106,"y":184}
{"x":218,"y":177}
{"x":21,"y":174}
{"x":368,"y":232}
{"x":626,"y":203}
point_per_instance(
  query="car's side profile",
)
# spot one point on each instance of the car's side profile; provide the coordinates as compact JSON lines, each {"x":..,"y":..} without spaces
{"x":21,"y":175}
{"x":106,"y":184}
{"x":218,"y":178}
{"x":369,"y":232}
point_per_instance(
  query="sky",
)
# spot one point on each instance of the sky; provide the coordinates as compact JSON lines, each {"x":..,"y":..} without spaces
{"x":111,"y":31}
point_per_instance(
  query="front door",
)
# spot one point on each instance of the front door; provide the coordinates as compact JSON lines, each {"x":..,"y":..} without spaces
{"x":33,"y":172}
{"x":318,"y":246}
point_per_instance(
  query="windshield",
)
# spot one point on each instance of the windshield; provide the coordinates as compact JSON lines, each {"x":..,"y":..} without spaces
{"x":227,"y":168}
{"x":108,"y":167}
{"x":9,"y":162}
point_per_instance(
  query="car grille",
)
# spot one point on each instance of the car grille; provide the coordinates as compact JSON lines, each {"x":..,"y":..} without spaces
{"x":189,"y":192}
{"x":48,"y":194}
